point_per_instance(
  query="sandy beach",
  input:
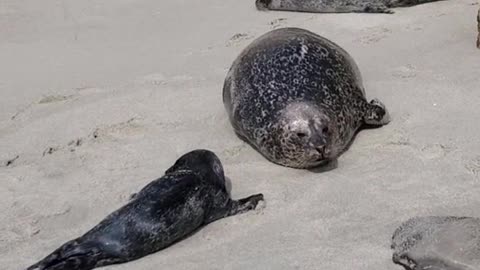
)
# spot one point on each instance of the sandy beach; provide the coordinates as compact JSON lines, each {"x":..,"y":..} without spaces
{"x":98,"y":98}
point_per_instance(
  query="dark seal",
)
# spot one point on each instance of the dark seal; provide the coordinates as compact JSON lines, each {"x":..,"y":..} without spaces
{"x":191,"y":194}
{"x":438,"y":243}
{"x":298,"y":98}
{"x":338,"y":6}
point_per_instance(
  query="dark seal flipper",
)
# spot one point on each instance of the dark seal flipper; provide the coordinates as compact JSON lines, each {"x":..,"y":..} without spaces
{"x":376,"y":114}
{"x":73,"y":256}
{"x":244,"y":205}
{"x":236,"y":207}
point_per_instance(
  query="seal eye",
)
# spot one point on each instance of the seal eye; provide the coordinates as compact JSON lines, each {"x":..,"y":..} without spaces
{"x":325,"y":130}
{"x":301,"y":134}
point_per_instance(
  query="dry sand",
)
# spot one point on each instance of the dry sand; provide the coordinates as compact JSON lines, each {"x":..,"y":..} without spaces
{"x":100,"y":97}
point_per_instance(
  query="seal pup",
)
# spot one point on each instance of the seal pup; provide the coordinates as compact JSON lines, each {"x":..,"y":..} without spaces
{"x":438,"y":243}
{"x":338,"y":6}
{"x":191,"y":194}
{"x":298,"y":98}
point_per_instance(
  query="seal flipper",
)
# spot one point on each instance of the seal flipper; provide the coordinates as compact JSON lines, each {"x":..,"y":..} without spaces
{"x":244,"y":205}
{"x":376,"y":114}
{"x":236,"y":207}
{"x":74,"y":255}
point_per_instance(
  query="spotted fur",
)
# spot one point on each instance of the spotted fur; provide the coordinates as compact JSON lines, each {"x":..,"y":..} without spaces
{"x":290,"y":77}
{"x":191,"y":194}
{"x":338,"y":6}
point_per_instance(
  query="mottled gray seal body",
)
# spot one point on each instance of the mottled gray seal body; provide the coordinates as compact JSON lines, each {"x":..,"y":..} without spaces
{"x":191,"y":194}
{"x":297,"y":98}
{"x":338,"y":6}
{"x":438,"y":243}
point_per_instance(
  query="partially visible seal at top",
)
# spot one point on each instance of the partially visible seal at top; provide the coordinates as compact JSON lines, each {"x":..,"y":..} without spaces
{"x":438,"y":243}
{"x":191,"y":194}
{"x":478,"y":25}
{"x":338,"y":6}
{"x":298,"y":98}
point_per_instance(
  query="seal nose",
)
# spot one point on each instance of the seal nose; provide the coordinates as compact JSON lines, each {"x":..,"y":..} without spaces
{"x":320,"y":149}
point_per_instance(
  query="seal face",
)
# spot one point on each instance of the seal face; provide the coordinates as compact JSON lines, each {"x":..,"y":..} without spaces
{"x":298,"y":98}
{"x":191,"y":194}
{"x":337,"y":6}
{"x":438,"y":242}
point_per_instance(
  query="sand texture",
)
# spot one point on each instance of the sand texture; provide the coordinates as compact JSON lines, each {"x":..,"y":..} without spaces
{"x":100,"y":97}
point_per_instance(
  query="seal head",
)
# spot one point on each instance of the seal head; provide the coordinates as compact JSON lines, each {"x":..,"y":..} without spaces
{"x":305,"y":135}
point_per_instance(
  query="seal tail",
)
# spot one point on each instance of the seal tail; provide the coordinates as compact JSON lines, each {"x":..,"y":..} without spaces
{"x":71,"y":256}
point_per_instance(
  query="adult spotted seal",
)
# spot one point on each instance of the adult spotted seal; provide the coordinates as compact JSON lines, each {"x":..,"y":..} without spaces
{"x":298,"y":98}
{"x":338,"y":6}
{"x":191,"y":194}
{"x":438,"y":243}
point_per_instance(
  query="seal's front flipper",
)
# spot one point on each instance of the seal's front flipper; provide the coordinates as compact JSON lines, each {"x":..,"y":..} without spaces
{"x":71,"y":256}
{"x":314,"y":6}
{"x":235,"y":207}
{"x":244,"y":205}
{"x":376,"y":113}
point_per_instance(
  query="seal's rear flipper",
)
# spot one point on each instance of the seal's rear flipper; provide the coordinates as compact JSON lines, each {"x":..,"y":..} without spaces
{"x":71,"y":256}
{"x":376,"y":114}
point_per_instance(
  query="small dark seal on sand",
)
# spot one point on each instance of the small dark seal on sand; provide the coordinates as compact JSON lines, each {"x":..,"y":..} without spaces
{"x":191,"y":194}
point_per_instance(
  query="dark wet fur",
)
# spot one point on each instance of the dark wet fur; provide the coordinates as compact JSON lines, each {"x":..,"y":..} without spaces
{"x":338,"y":6}
{"x":191,"y":194}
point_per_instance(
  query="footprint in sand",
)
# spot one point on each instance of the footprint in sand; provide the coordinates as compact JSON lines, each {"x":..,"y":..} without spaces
{"x":237,"y":39}
{"x":43,"y":101}
{"x":473,"y":166}
{"x":374,"y":35}
{"x":71,"y":146}
{"x":278,"y":23}
{"x":234,"y":150}
{"x":158,"y":79}
{"x":121,"y":130}
{"x":54,"y":98}
{"x":434,"y":151}
{"x":405,"y":72}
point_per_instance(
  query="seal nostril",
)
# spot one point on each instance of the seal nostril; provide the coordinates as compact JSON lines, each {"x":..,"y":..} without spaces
{"x":325,"y":130}
{"x":301,"y":134}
